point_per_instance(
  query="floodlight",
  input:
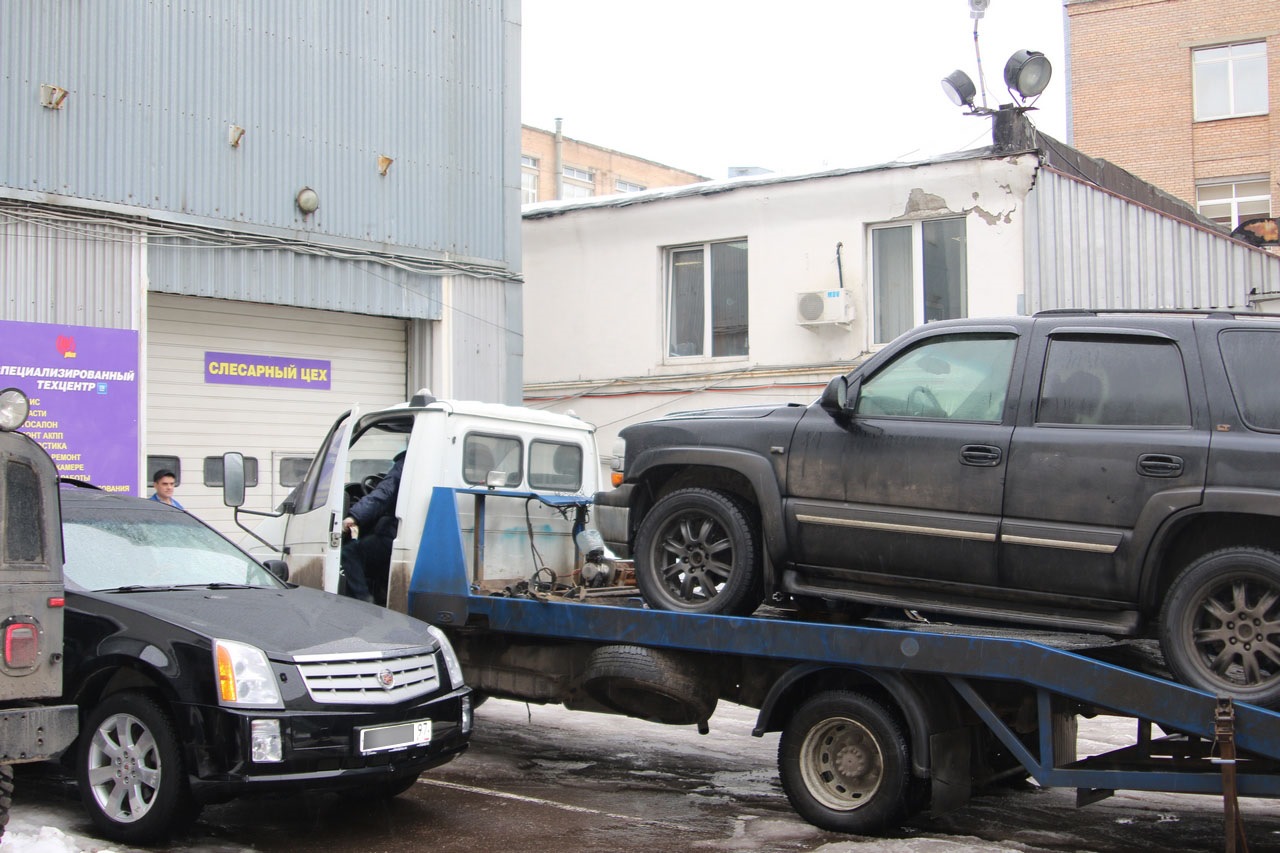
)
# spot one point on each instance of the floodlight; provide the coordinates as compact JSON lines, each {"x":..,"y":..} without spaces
{"x":1027,"y":73}
{"x":959,"y":88}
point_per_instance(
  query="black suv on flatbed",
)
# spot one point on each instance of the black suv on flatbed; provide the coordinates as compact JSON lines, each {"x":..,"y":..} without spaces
{"x":1098,"y":471}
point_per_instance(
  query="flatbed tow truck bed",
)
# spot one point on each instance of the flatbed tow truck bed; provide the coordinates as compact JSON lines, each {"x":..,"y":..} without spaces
{"x":815,"y":679}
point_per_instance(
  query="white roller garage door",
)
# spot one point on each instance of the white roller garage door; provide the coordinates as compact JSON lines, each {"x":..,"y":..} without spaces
{"x":192,"y":419}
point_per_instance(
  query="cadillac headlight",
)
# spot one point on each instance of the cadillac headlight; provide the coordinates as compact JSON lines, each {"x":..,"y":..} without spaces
{"x":451,"y":662}
{"x":244,"y":676}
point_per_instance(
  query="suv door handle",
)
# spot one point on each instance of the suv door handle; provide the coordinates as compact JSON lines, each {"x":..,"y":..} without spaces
{"x":980,"y":455}
{"x":1160,"y":465}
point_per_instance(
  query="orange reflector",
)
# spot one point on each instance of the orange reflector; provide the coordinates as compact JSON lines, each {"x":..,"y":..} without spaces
{"x":21,"y":645}
{"x":226,"y":675}
{"x":615,"y":477}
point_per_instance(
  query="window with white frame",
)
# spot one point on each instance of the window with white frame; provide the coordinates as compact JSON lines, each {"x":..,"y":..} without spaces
{"x":627,"y":187}
{"x":919,"y":273}
{"x":707,"y":300}
{"x":1230,"y":201}
{"x":577,"y":183}
{"x":1230,"y":80}
{"x":528,"y":179}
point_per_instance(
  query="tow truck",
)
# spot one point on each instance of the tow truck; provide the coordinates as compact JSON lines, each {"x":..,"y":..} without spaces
{"x":880,"y":719}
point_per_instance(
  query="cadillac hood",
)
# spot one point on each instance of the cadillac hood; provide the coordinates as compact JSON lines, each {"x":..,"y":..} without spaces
{"x":282,"y":622}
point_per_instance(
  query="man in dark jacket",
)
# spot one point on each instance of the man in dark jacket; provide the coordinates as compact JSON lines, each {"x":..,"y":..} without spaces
{"x":371,"y":523}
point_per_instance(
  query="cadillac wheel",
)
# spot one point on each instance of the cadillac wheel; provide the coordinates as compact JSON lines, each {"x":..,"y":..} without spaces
{"x":130,"y":770}
{"x":697,"y":551}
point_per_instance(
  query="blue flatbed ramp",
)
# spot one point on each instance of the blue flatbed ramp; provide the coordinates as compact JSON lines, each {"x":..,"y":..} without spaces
{"x":1055,"y":667}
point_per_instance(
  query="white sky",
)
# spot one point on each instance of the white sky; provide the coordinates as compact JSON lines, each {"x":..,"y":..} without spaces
{"x":793,"y":86}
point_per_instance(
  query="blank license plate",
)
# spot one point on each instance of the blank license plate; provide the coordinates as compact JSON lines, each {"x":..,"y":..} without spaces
{"x":399,"y":736}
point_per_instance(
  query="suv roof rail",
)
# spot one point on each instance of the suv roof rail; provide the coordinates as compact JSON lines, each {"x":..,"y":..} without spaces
{"x":1216,"y":313}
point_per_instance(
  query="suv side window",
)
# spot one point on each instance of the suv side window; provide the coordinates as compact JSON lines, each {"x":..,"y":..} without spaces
{"x":952,"y":377}
{"x":1110,"y":381}
{"x":1249,"y":355}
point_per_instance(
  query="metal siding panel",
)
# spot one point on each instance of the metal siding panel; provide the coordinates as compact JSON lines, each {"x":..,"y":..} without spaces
{"x":322,"y":89}
{"x":1090,"y":249}
{"x":480,"y":328}
{"x":64,"y":271}
{"x":283,"y":277}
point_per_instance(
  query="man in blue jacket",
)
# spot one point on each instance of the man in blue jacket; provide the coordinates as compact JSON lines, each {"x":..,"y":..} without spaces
{"x":371,"y":523}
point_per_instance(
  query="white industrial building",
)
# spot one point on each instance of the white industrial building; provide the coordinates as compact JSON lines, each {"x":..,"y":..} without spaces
{"x":763,"y":288}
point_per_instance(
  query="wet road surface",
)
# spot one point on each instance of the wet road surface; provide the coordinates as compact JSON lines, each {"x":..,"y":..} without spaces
{"x":541,"y":778}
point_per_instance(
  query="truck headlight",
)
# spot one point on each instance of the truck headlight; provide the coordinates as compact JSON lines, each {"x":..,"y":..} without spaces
{"x":451,"y":662}
{"x":244,"y":676}
{"x":619,"y":464}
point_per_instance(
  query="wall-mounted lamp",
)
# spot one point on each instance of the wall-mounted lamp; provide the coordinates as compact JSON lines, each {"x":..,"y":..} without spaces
{"x":384,"y":163}
{"x":235,"y":133}
{"x":1027,"y":74}
{"x":307,"y":200}
{"x":52,"y":97}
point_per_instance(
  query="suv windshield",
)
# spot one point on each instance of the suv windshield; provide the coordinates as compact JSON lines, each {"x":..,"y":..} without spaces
{"x":107,"y":550}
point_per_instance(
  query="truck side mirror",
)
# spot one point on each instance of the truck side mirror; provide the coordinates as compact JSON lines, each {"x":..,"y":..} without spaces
{"x":233,"y":479}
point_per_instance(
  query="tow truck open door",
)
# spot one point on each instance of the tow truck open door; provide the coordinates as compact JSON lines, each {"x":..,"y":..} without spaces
{"x":313,"y":536}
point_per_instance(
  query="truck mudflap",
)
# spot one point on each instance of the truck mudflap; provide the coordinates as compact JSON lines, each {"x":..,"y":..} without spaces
{"x":37,"y":733}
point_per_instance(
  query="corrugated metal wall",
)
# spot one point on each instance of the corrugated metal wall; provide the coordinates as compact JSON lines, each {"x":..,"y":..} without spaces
{"x":81,"y":274}
{"x":479,"y":342}
{"x":322,"y":89}
{"x":1087,"y":248}
{"x":283,"y":277}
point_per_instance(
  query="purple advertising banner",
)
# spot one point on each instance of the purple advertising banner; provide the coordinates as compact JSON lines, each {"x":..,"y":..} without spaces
{"x":234,"y":368}
{"x":83,"y":385}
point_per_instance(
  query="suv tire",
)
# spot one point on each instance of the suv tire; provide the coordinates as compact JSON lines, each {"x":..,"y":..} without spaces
{"x":697,"y":552}
{"x":1220,"y":625}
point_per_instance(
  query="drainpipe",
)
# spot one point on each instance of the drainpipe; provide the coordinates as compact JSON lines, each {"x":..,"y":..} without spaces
{"x":559,"y":162}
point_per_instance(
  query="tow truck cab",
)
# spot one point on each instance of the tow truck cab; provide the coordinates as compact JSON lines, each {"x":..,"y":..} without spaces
{"x":522,"y":476}
{"x":31,"y":600}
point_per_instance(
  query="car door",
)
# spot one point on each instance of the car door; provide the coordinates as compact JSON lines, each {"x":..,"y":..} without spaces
{"x":1107,"y":442}
{"x":313,"y":535}
{"x":910,"y":486}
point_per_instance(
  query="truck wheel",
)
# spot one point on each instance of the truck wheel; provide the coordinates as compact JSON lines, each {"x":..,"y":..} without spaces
{"x":6,"y":795}
{"x":1220,"y":625}
{"x":844,"y":764}
{"x":130,"y":770}
{"x":696,"y":552}
{"x":652,"y":684}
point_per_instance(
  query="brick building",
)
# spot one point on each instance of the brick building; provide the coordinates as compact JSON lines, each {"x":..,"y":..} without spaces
{"x":1179,"y":92}
{"x":553,"y":166}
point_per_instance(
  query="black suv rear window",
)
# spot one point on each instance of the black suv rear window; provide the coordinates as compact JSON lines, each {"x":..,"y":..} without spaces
{"x":1121,"y":381}
{"x":1250,"y":358}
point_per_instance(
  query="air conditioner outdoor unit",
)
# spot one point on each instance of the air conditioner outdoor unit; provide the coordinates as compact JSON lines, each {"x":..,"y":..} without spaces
{"x":823,"y":307}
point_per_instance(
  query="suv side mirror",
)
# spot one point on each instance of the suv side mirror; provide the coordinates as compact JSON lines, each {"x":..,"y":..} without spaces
{"x":233,"y":479}
{"x":835,"y":397}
